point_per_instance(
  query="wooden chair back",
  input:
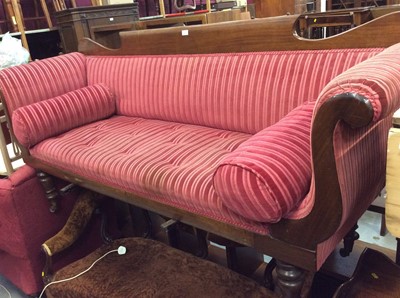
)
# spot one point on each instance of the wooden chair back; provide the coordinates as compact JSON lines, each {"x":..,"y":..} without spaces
{"x":60,"y":4}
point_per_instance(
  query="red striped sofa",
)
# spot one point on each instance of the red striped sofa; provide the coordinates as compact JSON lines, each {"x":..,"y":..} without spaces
{"x":282,"y":151}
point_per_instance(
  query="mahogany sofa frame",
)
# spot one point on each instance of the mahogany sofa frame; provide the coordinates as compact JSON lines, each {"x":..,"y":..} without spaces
{"x":292,"y":241}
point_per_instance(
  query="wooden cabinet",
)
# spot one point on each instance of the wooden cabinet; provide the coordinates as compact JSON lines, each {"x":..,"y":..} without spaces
{"x":270,"y":8}
{"x":343,"y":4}
{"x":77,"y":23}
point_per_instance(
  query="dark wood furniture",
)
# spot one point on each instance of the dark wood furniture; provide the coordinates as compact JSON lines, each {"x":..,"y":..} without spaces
{"x":375,"y":276}
{"x":294,"y":241}
{"x":270,"y":8}
{"x":193,"y":19}
{"x":247,"y":36}
{"x":77,"y":23}
{"x":336,"y":21}
{"x":184,"y":20}
{"x":243,"y":36}
{"x":382,"y":10}
{"x":316,"y":25}
{"x":340,"y":4}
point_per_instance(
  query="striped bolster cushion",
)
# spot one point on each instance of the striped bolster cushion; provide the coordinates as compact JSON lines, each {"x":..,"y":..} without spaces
{"x":267,"y":175}
{"x":48,"y":118}
{"x":377,"y":79}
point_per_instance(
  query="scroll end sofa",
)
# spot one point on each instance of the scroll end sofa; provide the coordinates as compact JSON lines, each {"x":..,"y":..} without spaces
{"x":279,"y":150}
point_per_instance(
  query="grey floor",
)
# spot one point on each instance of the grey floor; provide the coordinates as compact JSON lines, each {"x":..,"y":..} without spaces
{"x":8,"y":290}
{"x":369,"y":228}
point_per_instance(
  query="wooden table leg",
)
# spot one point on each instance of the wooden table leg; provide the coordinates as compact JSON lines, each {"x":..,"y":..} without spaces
{"x":46,"y":13}
{"x":162,"y":7}
{"x":16,"y":6}
{"x":10,"y":14}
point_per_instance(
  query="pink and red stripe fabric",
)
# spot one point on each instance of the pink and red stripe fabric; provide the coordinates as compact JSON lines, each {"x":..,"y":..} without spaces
{"x":48,"y":118}
{"x":243,"y":92}
{"x":249,"y":115}
{"x":29,"y":83}
{"x":378,"y":79}
{"x":269,"y":174}
{"x":164,"y":161}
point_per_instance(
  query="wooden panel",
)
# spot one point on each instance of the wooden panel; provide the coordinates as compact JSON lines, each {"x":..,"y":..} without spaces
{"x":172,"y":21}
{"x":271,"y":8}
{"x":225,"y":16}
{"x":276,"y":33}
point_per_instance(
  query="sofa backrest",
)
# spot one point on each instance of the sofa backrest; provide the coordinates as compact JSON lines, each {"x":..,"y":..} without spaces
{"x":243,"y":92}
{"x":36,"y":81}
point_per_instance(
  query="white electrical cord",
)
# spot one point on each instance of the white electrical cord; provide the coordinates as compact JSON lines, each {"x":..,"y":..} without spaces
{"x":5,"y":289}
{"x":121,"y":250}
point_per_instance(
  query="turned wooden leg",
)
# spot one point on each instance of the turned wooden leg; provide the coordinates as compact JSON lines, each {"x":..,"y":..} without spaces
{"x":231,"y":258}
{"x":49,"y":189}
{"x":171,"y":229}
{"x":103,"y":226}
{"x":149,"y":225}
{"x":202,"y":244}
{"x":268,"y":278}
{"x":290,"y":279}
{"x":348,"y":242}
{"x":383,"y":230}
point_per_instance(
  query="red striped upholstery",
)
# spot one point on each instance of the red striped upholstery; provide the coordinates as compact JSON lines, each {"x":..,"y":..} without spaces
{"x":36,"y":81}
{"x":238,"y":92}
{"x":378,"y":79}
{"x":243,"y":92}
{"x":164,"y":161}
{"x":51,"y":117}
{"x":180,"y":117}
{"x":271,"y":172}
{"x":352,"y":149}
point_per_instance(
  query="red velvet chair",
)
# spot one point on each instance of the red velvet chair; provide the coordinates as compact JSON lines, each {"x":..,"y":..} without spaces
{"x":25,"y":223}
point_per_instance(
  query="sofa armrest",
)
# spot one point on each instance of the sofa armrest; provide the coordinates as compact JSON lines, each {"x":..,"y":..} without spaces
{"x":376,"y":79}
{"x":351,"y":119}
{"x":48,"y":118}
{"x":38,"y":80}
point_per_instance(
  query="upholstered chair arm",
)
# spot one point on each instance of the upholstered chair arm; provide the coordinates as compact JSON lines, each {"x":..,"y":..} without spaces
{"x":75,"y":225}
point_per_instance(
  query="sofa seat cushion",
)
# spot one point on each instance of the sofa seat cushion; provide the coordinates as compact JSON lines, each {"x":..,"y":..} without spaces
{"x":38,"y":121}
{"x":168,"y":162}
